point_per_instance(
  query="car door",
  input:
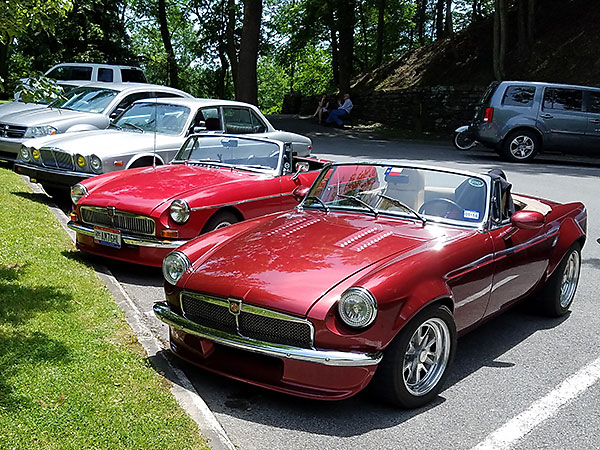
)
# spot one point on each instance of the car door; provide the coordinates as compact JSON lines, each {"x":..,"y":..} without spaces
{"x":592,"y":133}
{"x":563,"y":118}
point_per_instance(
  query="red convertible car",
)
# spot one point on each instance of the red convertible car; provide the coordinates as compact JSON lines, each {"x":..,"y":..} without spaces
{"x":373,"y":275}
{"x":139,"y":215}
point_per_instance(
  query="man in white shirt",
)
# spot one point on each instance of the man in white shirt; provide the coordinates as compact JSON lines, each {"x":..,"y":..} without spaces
{"x":337,"y":114}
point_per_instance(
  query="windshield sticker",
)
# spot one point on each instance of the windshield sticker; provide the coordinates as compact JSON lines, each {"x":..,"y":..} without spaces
{"x":476,"y":182}
{"x":471,"y":215}
{"x":393,"y":171}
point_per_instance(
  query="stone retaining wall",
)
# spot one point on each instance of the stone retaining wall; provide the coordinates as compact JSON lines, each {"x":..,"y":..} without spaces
{"x":433,"y":109}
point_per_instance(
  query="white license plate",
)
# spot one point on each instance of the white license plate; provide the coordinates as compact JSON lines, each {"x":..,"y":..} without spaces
{"x":107,"y":236}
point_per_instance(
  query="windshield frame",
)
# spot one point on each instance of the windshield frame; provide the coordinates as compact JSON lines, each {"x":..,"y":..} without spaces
{"x":273,"y":172}
{"x":481,"y":225}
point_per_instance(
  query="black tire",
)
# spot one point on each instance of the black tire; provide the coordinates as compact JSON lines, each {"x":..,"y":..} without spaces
{"x":220,"y":220}
{"x":462,"y":142}
{"x":394,"y":383}
{"x":521,"y":146}
{"x":556,"y":296}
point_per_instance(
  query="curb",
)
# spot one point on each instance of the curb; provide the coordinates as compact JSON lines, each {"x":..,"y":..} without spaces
{"x":181,"y":386}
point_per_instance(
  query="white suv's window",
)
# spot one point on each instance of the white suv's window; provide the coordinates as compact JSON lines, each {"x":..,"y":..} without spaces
{"x":66,"y":73}
{"x":105,"y":74}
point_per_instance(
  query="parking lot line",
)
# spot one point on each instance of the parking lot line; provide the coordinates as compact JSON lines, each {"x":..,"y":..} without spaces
{"x":516,"y":428}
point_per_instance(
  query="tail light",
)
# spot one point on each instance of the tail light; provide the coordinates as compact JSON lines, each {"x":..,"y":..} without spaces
{"x":488,"y":115}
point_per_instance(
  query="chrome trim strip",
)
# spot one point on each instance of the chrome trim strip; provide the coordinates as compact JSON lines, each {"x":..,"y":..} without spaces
{"x":127,"y":239}
{"x":325,"y":357}
{"x":222,"y":205}
{"x":250,"y":309}
{"x":117,"y":213}
{"x":54,"y":171}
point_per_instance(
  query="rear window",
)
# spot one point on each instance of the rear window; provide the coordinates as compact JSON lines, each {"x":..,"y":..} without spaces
{"x":133,"y":76}
{"x":487,"y":94}
{"x":563,"y":99}
{"x":66,"y":73}
{"x":519,"y":96}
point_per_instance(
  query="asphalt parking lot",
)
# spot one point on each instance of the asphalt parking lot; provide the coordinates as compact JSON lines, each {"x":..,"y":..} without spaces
{"x":521,"y":381}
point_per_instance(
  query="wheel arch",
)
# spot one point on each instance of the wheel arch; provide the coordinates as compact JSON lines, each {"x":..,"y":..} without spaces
{"x":225,"y":209}
{"x":531,"y":128}
{"x":570,"y":233}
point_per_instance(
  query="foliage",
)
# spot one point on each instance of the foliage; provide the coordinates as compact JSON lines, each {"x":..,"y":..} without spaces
{"x":17,"y":16}
{"x":39,"y":89}
{"x":72,"y":374}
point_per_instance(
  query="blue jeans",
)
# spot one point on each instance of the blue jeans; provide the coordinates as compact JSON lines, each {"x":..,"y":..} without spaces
{"x":336,"y":115}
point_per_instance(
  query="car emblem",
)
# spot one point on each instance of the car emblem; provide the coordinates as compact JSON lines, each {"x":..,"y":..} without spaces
{"x":110,"y":210}
{"x":235,"y":306}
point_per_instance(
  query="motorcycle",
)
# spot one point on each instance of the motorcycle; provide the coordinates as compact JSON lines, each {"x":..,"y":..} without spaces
{"x":462,"y":139}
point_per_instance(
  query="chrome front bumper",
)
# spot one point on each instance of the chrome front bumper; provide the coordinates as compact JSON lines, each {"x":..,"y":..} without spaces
{"x":128,"y":239}
{"x":326,"y":357}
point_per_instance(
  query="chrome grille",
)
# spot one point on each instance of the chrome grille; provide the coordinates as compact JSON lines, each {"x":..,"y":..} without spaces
{"x":56,"y":159}
{"x":12,"y":131}
{"x":252,"y":322}
{"x":120,"y":220}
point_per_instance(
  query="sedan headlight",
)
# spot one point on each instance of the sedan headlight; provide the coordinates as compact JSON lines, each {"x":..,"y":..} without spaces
{"x":33,"y":132}
{"x":96,"y":164}
{"x":80,"y":160}
{"x":25,"y":153}
{"x":179,"y":211}
{"x":77,"y":192}
{"x":35,"y":154}
{"x":357,"y":307}
{"x":174,"y":266}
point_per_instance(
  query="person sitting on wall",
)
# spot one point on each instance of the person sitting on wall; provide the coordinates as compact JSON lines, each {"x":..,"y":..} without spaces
{"x":322,"y":108}
{"x":338,"y":114}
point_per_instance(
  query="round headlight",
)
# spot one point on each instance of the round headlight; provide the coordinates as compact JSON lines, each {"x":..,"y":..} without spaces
{"x":174,"y":266}
{"x":179,"y":211}
{"x":80,"y":161}
{"x":77,"y":192}
{"x":25,"y":153}
{"x":36,"y":154}
{"x":95,"y":163}
{"x":357,"y":307}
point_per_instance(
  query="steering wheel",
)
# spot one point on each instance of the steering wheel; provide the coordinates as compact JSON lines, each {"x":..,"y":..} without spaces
{"x":442,"y":207}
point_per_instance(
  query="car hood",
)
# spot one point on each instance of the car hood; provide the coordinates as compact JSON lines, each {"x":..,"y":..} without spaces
{"x":45,"y":116}
{"x":10,"y":108}
{"x":141,"y":191}
{"x":106,"y":142}
{"x":289,"y":262}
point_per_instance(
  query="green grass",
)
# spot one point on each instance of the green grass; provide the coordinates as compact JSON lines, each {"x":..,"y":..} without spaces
{"x":72,"y":374}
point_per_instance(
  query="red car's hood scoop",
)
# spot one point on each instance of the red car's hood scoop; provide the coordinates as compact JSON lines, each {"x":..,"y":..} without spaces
{"x":142,"y":191}
{"x":291,"y":261}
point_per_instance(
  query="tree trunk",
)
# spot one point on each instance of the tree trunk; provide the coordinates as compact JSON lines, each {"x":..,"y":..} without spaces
{"x":522,"y":29}
{"x":380,"y":31}
{"x":346,"y":19}
{"x":449,"y":25}
{"x":420,"y":25}
{"x":222,"y":76}
{"x":439,"y":19}
{"x":499,"y":38}
{"x":247,"y":80}
{"x":230,"y":42}
{"x":172,"y":73}
{"x":335,"y":68}
{"x":4,"y":62}
{"x":365,"y":37}
{"x":530,"y":24}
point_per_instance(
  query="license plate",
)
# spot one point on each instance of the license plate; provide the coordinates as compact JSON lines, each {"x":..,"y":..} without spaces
{"x":107,"y":236}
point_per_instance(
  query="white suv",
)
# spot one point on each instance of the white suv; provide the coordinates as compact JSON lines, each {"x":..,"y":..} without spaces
{"x":96,"y":72}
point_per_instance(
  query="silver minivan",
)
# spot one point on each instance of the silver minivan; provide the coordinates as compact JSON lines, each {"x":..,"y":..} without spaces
{"x":519,"y":119}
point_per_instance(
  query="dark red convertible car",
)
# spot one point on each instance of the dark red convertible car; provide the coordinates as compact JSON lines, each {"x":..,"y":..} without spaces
{"x":139,"y":215}
{"x":373,"y":275}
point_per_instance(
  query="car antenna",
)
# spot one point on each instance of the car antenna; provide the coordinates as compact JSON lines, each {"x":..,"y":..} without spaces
{"x":154,"y":143}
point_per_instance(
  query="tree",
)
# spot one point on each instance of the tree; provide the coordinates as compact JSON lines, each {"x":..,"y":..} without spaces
{"x":500,"y":33}
{"x":172,"y":71}
{"x":246,"y":84}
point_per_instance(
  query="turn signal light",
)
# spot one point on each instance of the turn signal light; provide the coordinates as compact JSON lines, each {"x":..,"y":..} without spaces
{"x":169,"y":234}
{"x":73,"y":217}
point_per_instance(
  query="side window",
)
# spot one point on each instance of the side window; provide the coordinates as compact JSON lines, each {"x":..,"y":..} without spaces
{"x":563,"y":99}
{"x":257,"y":124}
{"x":519,"y":96}
{"x":594,"y":106}
{"x":128,"y":100}
{"x":238,"y":121}
{"x":105,"y":75}
{"x":66,"y":73}
{"x":207,"y":119}
{"x":132,"y":76}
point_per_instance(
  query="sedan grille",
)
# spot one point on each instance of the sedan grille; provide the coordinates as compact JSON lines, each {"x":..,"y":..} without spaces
{"x":56,"y":159}
{"x":251,"y":322}
{"x":121,"y":220}
{"x":12,"y":131}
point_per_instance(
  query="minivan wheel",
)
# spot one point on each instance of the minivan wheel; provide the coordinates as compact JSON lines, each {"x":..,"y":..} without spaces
{"x":520,"y":146}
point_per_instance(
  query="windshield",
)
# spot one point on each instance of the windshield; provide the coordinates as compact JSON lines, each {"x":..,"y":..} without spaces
{"x":416,"y":193}
{"x":86,"y":99}
{"x":154,"y":117}
{"x":243,"y":153}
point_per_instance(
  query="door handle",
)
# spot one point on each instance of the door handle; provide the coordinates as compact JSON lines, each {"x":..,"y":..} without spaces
{"x":546,"y":116}
{"x":594,"y":120}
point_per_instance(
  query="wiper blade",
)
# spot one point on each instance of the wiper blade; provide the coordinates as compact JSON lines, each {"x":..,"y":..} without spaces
{"x":318,"y":199}
{"x":360,"y":202}
{"x":114,"y":125}
{"x":133,"y":125}
{"x":405,"y":206}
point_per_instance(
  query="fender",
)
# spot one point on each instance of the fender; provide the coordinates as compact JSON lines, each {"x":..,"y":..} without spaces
{"x":81,"y":127}
{"x":572,"y":229}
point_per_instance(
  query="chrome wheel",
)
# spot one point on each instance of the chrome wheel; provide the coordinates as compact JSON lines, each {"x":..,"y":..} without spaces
{"x":570,"y":279}
{"x":223,"y":224}
{"x":522,"y":147}
{"x":426,"y":357}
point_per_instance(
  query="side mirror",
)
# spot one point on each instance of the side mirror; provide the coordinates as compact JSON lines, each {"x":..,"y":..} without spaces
{"x":198,"y":129}
{"x":527,"y":220}
{"x":300,"y":192}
